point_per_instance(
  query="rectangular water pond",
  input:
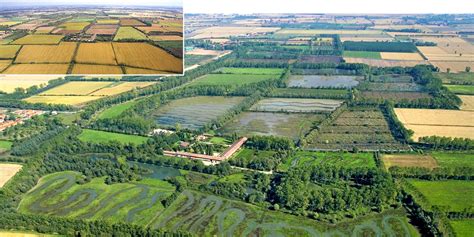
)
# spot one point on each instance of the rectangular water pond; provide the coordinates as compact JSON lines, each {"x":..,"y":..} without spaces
{"x":321,"y":81}
{"x":296,"y":105}
{"x":194,"y":112}
{"x":277,"y":124}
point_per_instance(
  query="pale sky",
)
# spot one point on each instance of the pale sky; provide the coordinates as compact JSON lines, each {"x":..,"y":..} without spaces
{"x":174,"y":3}
{"x":329,"y":6}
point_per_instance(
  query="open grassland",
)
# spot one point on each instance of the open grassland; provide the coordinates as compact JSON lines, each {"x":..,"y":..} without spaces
{"x":463,"y":227}
{"x":362,"y":54}
{"x":320,"y":81}
{"x":461,"y":89}
{"x":116,"y":110}
{"x":5,"y":145}
{"x":94,"y":136}
{"x":143,"y":55}
{"x":384,"y":62}
{"x":77,"y":88}
{"x":191,"y":59}
{"x":8,"y":51}
{"x":194,"y":112}
{"x":450,"y":195}
{"x":10,"y":83}
{"x":7,"y":171}
{"x":401,"y":56}
{"x":292,"y":126}
{"x":95,"y":69}
{"x":467,"y":102}
{"x":129,"y":33}
{"x":96,"y":53}
{"x":296,"y":105}
{"x":436,"y":122}
{"x":396,"y":96}
{"x":59,"y":194}
{"x":227,"y":31}
{"x":453,"y":160}
{"x":61,"y":53}
{"x":209,"y":215}
{"x":121,"y":87}
{"x":39,"y":39}
{"x":362,"y":128}
{"x":409,"y":160}
{"x":251,"y":70}
{"x":311,"y":158}
{"x":37,"y":69}
{"x":66,"y":99}
{"x":231,"y":79}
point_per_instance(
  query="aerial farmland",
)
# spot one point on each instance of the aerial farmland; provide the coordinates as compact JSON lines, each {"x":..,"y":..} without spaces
{"x":80,"y":41}
{"x":282,"y":125}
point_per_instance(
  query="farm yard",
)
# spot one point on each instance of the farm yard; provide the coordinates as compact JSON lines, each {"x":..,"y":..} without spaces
{"x":444,"y":123}
{"x":86,"y":37}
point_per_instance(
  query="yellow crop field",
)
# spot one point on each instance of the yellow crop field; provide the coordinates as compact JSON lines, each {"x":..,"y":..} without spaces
{"x":437,"y":122}
{"x":96,"y":69}
{"x":7,"y":171}
{"x":8,"y":51}
{"x":121,"y":87}
{"x":452,"y":66}
{"x":39,"y":39}
{"x":9,"y":23}
{"x":10,"y":83}
{"x":44,"y":29}
{"x":143,"y":55}
{"x":409,"y":160}
{"x":133,"y":70}
{"x":384,"y":62}
{"x":165,"y":37}
{"x":401,"y":56}
{"x":21,"y":234}
{"x":37,"y":69}
{"x":4,"y":64}
{"x":96,"y":53}
{"x":77,"y":88}
{"x":108,"y":21}
{"x":61,"y":53}
{"x":67,"y":100}
{"x":467,"y":102}
{"x":74,"y":26}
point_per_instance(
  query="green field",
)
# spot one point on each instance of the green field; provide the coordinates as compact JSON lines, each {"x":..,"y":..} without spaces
{"x":251,"y":70}
{"x":5,"y":145}
{"x":309,"y":158}
{"x":450,"y":195}
{"x":59,"y":194}
{"x":190,"y":60}
{"x":461,"y":89}
{"x":453,"y":160}
{"x":457,"y":78}
{"x":209,"y":215}
{"x":463,"y":227}
{"x":94,"y":136}
{"x":128,"y":32}
{"x":231,"y":79}
{"x":69,"y":118}
{"x":362,"y":54}
{"x":116,"y":110}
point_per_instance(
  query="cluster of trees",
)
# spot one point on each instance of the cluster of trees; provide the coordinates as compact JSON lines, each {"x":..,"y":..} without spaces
{"x":31,"y":145}
{"x":396,"y":127}
{"x":260,"y":64}
{"x":259,"y":161}
{"x":360,"y":68}
{"x":448,"y":143}
{"x":330,"y":190}
{"x":269,"y":143}
{"x":380,"y":46}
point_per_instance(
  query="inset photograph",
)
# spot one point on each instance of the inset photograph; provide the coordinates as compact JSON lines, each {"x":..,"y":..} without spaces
{"x":84,"y":38}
